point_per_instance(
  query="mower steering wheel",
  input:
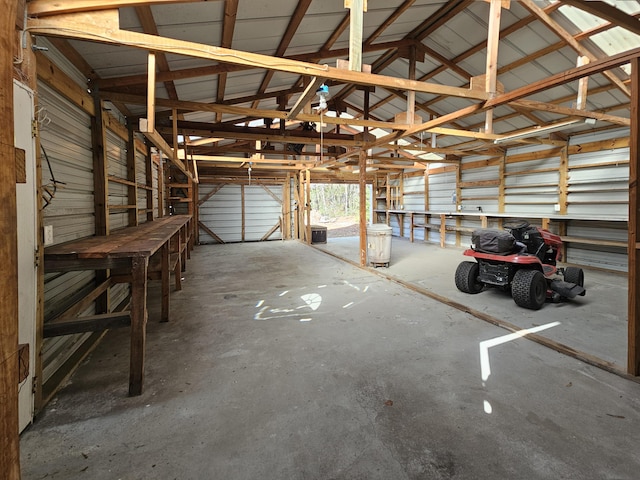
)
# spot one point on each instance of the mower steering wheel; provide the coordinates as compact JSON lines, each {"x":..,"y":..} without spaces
{"x":515,"y":224}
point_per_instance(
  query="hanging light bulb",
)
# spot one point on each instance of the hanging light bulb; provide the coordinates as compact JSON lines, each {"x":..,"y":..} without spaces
{"x":323,"y":94}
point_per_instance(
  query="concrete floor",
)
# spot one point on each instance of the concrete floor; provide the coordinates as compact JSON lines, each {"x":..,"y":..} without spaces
{"x":282,"y":362}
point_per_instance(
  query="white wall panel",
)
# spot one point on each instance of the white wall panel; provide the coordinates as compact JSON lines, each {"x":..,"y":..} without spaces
{"x":262,"y":212}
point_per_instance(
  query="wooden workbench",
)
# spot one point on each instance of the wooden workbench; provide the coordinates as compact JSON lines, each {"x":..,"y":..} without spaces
{"x":128,"y":253}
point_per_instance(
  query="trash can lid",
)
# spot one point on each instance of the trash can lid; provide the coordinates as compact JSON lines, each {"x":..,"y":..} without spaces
{"x":379,"y":227}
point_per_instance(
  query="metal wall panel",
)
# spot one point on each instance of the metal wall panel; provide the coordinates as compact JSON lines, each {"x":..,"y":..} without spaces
{"x":442,"y":189}
{"x":141,"y":179}
{"x":262,"y":212}
{"x":222,"y":214}
{"x":118,"y":193}
{"x":485,"y":197}
{"x":65,"y":135}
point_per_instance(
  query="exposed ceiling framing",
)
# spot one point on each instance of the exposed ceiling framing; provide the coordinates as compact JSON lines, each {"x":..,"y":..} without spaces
{"x":245,"y":76}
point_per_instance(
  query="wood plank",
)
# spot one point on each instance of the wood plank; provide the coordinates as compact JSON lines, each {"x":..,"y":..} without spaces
{"x":362,"y":186}
{"x":106,"y":29}
{"x":210,"y":232}
{"x":305,"y":98}
{"x":356,"y":21}
{"x":53,"y":76}
{"x":562,"y":78}
{"x":594,"y":241}
{"x":92,"y":323}
{"x":77,"y":308}
{"x":633,"y":310}
{"x":10,"y":450}
{"x":50,"y":7}
{"x":138,"y":324}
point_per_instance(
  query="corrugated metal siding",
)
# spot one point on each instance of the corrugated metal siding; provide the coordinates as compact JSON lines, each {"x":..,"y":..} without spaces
{"x":141,"y":179}
{"x":599,"y":181}
{"x":65,"y":135}
{"x":485,"y":197}
{"x":118,"y":193}
{"x":442,"y":187}
{"x":222,"y":213}
{"x":413,"y":201}
{"x":262,"y":212}
{"x":530,"y":188}
{"x":612,"y":258}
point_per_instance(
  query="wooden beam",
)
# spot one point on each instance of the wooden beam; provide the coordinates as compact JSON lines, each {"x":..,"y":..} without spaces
{"x":271,"y":231}
{"x":42,"y":8}
{"x":93,"y":323}
{"x":305,"y":98}
{"x":362,"y":185}
{"x":567,"y":76}
{"x":633,"y":350}
{"x":104,"y":28}
{"x":571,"y":41}
{"x":607,"y":12}
{"x":151,"y":92}
{"x":184,"y":105}
{"x":210,"y":232}
{"x":583,"y":85}
{"x":491,"y":71}
{"x":574,"y":112}
{"x":355,"y":33}
{"x":228,"y":27}
{"x":10,"y":450}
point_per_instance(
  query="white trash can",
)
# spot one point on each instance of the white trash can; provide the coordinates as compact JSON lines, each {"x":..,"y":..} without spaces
{"x":378,"y":244}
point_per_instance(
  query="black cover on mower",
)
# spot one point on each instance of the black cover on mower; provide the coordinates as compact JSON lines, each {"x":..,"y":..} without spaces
{"x":498,"y":242}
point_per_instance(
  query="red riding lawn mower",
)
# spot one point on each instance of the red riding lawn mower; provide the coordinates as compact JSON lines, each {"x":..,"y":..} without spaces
{"x":521,"y":258}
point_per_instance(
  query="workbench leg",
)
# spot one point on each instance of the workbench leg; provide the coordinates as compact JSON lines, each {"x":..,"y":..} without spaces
{"x":165,"y":280}
{"x":138,"y":324}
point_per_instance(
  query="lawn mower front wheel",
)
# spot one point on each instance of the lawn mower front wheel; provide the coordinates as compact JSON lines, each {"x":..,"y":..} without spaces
{"x":529,"y":289}
{"x":467,"y":278}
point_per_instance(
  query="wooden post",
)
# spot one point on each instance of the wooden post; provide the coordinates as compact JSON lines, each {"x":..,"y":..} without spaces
{"x":296,"y":199}
{"x":356,"y":20}
{"x":165,"y":253}
{"x":583,"y":85}
{"x":242,"y":212}
{"x":307,"y":203}
{"x":493,"y":40}
{"x":411,"y":227}
{"x":100,"y":189}
{"x":148,"y":171}
{"x":563,"y":187}
{"x":138,"y":324}
{"x":10,"y":450}
{"x":362,"y":181}
{"x":502,"y":167}
{"x":151,"y":92}
{"x":100,"y":172}
{"x":633,"y":358}
{"x":286,"y":208}
{"x":411,"y":94}
{"x":132,"y":190}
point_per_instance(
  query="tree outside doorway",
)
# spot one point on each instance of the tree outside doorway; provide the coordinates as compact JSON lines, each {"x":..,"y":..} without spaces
{"x":337,"y":206}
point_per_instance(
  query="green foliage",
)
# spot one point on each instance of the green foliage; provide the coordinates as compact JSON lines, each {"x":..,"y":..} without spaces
{"x":337,"y":200}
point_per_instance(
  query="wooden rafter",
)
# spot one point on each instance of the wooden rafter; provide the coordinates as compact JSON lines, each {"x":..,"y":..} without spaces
{"x":41,"y":8}
{"x":104,"y":28}
{"x":228,"y":27}
{"x":292,"y":28}
{"x":608,"y":12}
{"x":572,"y":42}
